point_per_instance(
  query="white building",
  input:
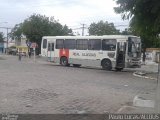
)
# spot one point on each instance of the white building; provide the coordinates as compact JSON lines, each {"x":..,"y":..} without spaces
{"x":153,"y":54}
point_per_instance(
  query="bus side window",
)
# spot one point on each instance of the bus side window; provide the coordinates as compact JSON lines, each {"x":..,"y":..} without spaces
{"x":82,"y":44}
{"x":109,"y":44}
{"x":70,"y":44}
{"x":50,"y":46}
{"x":94,"y":44}
{"x":59,"y":44}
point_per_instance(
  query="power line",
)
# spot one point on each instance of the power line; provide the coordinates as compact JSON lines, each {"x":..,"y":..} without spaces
{"x":121,"y":25}
{"x":6,"y":27}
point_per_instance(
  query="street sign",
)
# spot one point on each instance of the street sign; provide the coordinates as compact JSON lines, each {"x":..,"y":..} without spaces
{"x":29,"y":44}
{"x":34,"y":45}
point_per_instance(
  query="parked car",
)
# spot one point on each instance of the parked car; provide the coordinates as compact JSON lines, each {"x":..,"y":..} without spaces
{"x":12,"y":50}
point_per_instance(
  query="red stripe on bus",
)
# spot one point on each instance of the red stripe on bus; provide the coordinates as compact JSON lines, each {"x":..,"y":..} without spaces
{"x":64,"y":52}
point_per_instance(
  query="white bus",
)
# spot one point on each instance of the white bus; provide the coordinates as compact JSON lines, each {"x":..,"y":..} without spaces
{"x":109,"y":51}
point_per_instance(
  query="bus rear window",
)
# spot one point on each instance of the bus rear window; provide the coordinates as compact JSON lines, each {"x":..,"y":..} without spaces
{"x":45,"y":43}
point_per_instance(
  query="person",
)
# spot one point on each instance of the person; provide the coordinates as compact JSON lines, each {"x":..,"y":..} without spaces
{"x":19,"y":56}
{"x":143,"y":58}
{"x":29,"y":53}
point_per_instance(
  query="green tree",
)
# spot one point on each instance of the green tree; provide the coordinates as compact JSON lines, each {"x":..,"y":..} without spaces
{"x":37,"y":26}
{"x":103,"y":28}
{"x":145,"y":20}
{"x":127,"y":32}
{"x":17,"y":32}
{"x":1,"y":37}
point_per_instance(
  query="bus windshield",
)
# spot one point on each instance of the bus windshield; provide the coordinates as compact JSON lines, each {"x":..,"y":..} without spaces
{"x":134,"y":47}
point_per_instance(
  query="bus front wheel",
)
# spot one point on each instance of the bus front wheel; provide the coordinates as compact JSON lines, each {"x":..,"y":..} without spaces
{"x":64,"y":61}
{"x":119,"y":69}
{"x":106,"y":64}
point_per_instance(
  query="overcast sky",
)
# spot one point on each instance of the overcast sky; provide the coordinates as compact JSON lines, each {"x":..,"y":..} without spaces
{"x":73,"y":13}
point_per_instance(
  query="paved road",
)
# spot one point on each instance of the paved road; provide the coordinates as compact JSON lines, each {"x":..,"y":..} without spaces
{"x":41,"y":87}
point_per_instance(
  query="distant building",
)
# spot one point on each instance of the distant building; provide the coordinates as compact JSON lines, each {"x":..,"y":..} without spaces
{"x":22,"y":46}
{"x":153,"y":54}
{"x":21,"y":42}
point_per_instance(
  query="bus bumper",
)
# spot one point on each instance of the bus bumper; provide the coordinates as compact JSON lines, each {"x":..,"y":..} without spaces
{"x":133,"y":64}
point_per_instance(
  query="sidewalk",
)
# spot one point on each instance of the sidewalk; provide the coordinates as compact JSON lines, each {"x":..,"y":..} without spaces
{"x":149,"y":67}
{"x":147,"y":71}
{"x":145,"y":103}
{"x":142,"y":104}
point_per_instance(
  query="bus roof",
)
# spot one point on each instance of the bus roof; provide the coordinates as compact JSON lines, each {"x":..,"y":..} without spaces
{"x":90,"y":37}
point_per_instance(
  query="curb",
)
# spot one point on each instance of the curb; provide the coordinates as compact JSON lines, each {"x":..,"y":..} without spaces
{"x":143,"y":101}
{"x":135,"y":110}
{"x":143,"y":76}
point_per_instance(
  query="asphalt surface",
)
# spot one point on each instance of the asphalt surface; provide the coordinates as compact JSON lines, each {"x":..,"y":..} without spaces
{"x":41,"y":87}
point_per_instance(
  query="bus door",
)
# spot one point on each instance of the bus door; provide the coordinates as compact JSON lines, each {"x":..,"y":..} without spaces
{"x":50,"y":52}
{"x":121,"y":50}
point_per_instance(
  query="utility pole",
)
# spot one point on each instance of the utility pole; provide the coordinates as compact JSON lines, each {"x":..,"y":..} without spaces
{"x":83,"y":27}
{"x":157,"y":101}
{"x":7,"y":40}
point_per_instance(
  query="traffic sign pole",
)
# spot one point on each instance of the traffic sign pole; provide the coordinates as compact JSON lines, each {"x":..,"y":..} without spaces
{"x":34,"y":54}
{"x":34,"y":45}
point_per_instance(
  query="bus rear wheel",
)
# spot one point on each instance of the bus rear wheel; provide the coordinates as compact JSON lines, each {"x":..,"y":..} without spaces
{"x":64,"y":61}
{"x":106,"y":64}
{"x":76,"y":65}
